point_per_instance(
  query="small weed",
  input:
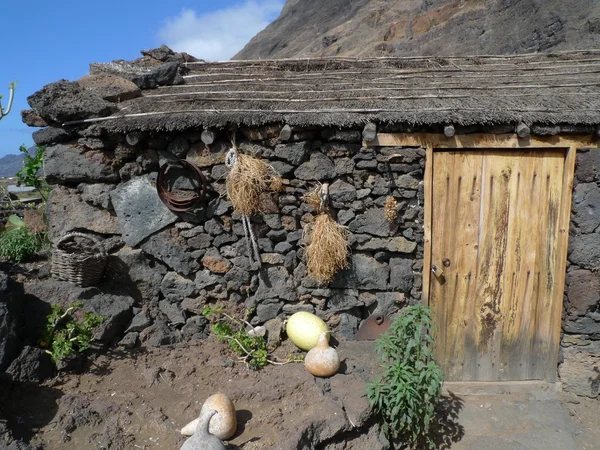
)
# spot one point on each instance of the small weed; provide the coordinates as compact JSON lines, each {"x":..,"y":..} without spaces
{"x":242,"y":338}
{"x":406,"y":394}
{"x":65,"y":335}
{"x":252,"y":349}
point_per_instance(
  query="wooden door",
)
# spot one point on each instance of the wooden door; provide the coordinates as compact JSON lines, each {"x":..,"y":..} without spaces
{"x":496,"y":225}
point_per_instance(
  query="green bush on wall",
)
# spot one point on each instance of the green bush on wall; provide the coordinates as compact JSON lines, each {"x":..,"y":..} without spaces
{"x":406,"y":393}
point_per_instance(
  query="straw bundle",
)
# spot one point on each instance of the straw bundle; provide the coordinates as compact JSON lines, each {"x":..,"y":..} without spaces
{"x":248,"y":177}
{"x":390,"y":208}
{"x":313,"y":198}
{"x":327,"y":250}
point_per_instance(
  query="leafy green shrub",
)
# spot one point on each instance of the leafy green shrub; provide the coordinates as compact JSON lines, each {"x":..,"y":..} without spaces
{"x":32,"y":164}
{"x":17,"y":244}
{"x":65,"y":335}
{"x":406,"y":394}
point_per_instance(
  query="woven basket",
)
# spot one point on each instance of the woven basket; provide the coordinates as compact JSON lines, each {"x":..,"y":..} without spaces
{"x":83,"y":267}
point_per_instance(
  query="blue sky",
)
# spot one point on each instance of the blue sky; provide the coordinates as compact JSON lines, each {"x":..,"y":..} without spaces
{"x":45,"y":41}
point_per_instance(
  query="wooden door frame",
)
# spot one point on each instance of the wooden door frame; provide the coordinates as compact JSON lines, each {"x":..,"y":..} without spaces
{"x":432,"y":142}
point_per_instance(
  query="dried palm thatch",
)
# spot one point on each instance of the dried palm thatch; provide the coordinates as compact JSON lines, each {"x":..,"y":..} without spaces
{"x":328,"y":248}
{"x":248,"y":177}
{"x":544,"y":88}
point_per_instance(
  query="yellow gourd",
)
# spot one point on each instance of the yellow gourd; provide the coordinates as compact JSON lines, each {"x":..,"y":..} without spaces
{"x":322,"y":360}
{"x":304,"y":328}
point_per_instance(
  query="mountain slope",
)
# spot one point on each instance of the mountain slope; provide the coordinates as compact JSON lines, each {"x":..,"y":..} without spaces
{"x":10,"y":165}
{"x":426,"y":27}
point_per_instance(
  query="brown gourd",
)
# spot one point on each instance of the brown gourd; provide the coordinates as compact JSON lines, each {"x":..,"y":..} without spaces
{"x":322,"y":360}
{"x":223,"y":424}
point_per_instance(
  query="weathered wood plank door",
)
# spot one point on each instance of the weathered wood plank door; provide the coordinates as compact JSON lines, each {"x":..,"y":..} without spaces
{"x":496,"y":224}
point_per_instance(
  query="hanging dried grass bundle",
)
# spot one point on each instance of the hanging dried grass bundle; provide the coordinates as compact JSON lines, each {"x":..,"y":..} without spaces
{"x":390,"y":208}
{"x":327,"y":249}
{"x":313,"y":198}
{"x":248,"y":177}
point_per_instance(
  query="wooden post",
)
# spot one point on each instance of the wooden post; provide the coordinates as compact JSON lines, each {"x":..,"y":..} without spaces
{"x":134,"y":138}
{"x":449,"y":130}
{"x":369,"y":131}
{"x":208,"y":137}
{"x":286,"y":133}
{"x":523,"y":130}
{"x":324,"y":194}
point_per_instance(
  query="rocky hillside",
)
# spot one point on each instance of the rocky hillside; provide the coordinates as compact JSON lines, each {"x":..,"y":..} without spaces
{"x":426,"y":27}
{"x":10,"y":165}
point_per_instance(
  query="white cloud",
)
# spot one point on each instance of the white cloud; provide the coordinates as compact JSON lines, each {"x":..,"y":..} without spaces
{"x":220,"y":34}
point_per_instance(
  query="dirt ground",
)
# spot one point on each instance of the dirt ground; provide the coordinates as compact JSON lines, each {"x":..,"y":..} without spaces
{"x":141,"y":399}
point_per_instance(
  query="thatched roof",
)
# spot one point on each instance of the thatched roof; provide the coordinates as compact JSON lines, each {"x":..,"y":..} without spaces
{"x":551,"y":88}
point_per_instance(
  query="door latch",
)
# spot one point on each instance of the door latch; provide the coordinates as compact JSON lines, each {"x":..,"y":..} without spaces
{"x":439,"y":273}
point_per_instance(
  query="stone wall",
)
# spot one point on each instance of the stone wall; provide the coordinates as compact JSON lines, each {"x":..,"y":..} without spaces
{"x":174,"y":264}
{"x":580,"y":367}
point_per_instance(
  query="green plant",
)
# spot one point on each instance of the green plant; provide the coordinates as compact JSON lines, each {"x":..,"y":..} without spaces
{"x":32,"y":164}
{"x":65,"y":335}
{"x":242,"y":338}
{"x":17,"y":243}
{"x":252,"y":349}
{"x":406,"y":393}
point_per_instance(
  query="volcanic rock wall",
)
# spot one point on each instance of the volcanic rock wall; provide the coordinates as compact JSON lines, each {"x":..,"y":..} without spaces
{"x":174,"y":264}
{"x":580,"y":369}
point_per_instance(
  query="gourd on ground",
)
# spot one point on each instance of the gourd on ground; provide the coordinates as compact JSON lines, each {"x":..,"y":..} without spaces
{"x":223,"y":424}
{"x":322,"y":360}
{"x":304,"y":328}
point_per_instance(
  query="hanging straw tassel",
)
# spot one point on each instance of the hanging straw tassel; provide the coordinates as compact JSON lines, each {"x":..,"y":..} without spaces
{"x":327,"y":246}
{"x":232,"y":163}
{"x":248,"y":177}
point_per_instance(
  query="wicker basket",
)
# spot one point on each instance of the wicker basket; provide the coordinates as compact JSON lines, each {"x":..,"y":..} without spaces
{"x":83,"y":267}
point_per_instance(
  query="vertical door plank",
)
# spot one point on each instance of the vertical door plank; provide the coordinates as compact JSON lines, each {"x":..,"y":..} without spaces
{"x":517,"y":329}
{"x":510,"y":305}
{"x":443,"y":170}
{"x":428,"y":206}
{"x":491,"y":263}
{"x":552,"y":165}
{"x":460,"y":266}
